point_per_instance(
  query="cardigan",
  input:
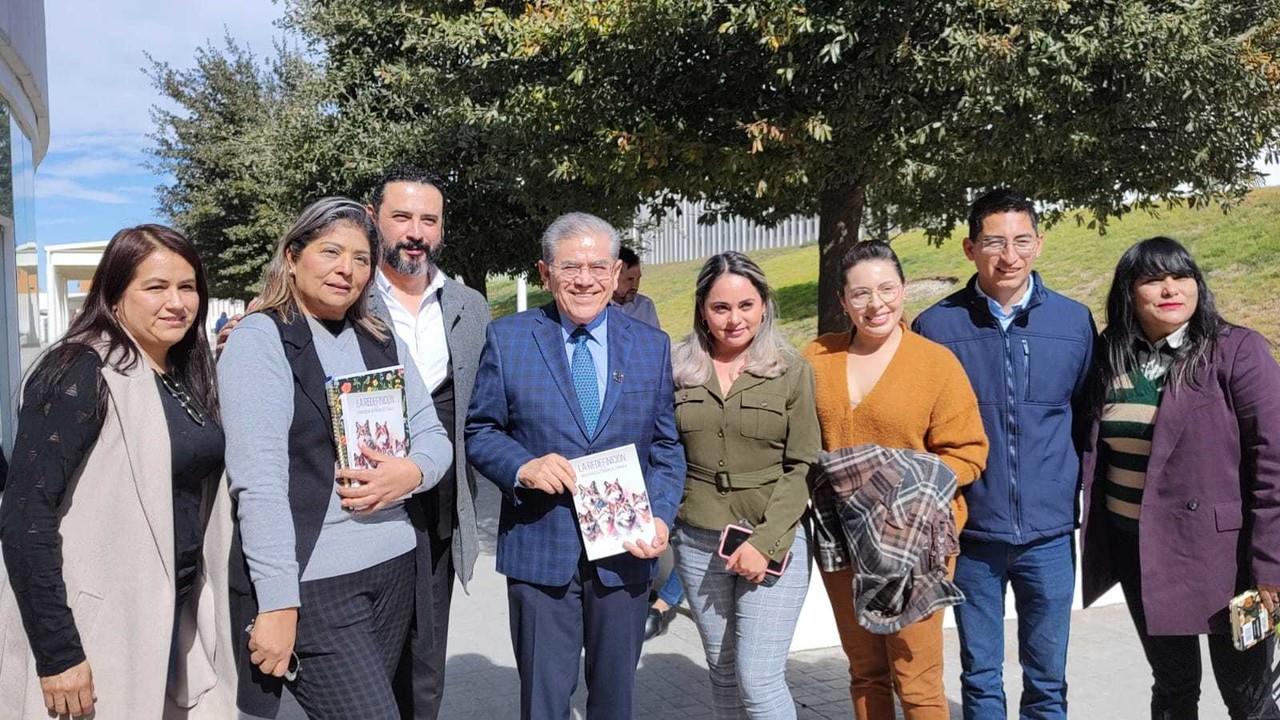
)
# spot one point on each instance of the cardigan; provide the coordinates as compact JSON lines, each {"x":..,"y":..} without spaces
{"x":748,"y":452}
{"x":923,"y":401}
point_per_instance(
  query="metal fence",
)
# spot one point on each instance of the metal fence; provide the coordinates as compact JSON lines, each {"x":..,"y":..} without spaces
{"x":679,"y":236}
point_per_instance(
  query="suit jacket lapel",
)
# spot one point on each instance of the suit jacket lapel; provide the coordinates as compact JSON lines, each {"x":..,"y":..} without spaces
{"x":1177,"y":407}
{"x":451,"y":305}
{"x":377,"y":306}
{"x":145,"y":434}
{"x":551,"y":344}
{"x":616,"y":367}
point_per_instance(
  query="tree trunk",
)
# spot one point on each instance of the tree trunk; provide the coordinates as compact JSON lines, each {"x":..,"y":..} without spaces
{"x":839,"y":217}
{"x":476,"y":278}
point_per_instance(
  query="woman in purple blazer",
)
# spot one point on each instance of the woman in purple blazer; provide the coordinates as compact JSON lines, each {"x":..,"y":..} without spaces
{"x":1182,"y":478}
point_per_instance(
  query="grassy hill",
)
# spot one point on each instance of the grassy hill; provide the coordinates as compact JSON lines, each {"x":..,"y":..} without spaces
{"x":1239,"y":250}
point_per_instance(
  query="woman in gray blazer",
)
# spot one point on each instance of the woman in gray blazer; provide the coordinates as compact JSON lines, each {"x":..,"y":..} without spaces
{"x":115,"y":527}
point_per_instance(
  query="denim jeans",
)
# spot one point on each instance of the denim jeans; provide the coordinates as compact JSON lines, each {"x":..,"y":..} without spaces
{"x":746,"y":628}
{"x":1042,"y":574}
{"x":672,"y":592}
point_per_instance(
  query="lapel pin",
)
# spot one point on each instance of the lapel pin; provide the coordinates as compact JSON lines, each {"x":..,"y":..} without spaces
{"x":617,"y":376}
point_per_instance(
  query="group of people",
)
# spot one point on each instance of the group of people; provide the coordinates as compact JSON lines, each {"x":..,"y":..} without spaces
{"x":179,"y":540}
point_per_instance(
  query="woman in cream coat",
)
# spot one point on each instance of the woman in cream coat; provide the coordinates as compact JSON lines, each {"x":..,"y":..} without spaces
{"x":119,"y":454}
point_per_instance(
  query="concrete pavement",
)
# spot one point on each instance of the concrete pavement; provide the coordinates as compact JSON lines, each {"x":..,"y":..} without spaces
{"x":1107,"y":679}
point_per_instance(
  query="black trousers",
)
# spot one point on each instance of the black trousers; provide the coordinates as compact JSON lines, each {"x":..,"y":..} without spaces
{"x":1246,"y":679}
{"x":351,"y":631}
{"x":551,"y":626}
{"x":419,"y":682}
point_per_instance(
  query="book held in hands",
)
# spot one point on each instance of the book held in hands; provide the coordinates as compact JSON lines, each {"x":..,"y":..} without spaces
{"x":369,"y":408}
{"x":611,"y":501}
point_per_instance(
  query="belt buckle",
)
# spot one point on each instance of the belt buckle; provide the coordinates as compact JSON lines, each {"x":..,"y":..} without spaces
{"x":722,"y":482}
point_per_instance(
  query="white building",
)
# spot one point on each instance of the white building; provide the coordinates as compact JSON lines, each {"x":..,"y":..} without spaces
{"x":24,"y":138}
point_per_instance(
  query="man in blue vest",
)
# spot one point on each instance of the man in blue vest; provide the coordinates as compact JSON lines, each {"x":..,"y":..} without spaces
{"x":1026,"y":350}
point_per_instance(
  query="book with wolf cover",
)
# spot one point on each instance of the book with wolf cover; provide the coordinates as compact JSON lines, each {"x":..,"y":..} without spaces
{"x":1250,"y":621}
{"x":369,"y":407}
{"x":611,"y":501}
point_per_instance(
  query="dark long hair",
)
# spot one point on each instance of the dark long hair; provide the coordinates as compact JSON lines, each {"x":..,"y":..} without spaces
{"x":190,"y":360}
{"x":1116,"y":356}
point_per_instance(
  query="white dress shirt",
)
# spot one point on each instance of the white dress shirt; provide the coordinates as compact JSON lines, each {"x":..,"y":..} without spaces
{"x":422,"y":331}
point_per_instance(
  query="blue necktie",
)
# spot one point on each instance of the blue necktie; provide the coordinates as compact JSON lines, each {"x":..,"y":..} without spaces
{"x":585,"y":384}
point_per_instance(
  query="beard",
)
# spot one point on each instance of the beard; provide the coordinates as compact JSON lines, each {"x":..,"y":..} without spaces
{"x":394,"y":258}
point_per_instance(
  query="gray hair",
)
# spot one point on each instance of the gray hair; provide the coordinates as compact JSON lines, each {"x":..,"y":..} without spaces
{"x":769,"y":355}
{"x":577,"y":224}
{"x":280,"y":294}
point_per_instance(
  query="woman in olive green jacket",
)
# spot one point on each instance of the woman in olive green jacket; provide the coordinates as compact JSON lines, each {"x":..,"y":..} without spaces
{"x":745,"y":412}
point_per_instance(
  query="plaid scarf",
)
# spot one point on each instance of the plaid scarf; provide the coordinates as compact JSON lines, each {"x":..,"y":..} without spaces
{"x":888,"y":513}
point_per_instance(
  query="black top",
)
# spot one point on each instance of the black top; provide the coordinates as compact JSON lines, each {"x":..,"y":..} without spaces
{"x":57,"y":426}
{"x":196,"y":452}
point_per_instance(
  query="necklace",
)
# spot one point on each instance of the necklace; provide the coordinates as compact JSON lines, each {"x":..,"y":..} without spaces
{"x":179,"y":393}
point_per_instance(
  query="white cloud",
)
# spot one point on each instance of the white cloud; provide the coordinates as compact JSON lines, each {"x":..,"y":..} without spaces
{"x":85,"y":165}
{"x":100,"y":99}
{"x":68,"y":189}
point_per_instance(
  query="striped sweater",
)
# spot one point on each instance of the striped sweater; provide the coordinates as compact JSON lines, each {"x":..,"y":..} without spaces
{"x":1128,"y":422}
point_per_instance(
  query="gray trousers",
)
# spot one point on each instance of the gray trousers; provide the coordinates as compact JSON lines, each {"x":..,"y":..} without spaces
{"x":746,"y":628}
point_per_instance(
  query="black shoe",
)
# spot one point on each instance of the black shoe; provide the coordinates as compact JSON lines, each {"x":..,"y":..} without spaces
{"x":657,"y":621}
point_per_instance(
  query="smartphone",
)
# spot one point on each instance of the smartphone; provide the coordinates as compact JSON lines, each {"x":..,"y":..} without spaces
{"x":732,"y":538}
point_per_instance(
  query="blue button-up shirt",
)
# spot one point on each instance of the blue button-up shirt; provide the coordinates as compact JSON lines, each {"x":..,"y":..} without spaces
{"x":597,"y":343}
{"x":997,"y":310}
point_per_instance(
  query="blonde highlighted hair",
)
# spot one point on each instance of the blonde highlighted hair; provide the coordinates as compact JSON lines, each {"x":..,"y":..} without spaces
{"x":769,"y":355}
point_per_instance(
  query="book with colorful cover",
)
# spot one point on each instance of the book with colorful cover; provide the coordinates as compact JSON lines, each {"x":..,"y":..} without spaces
{"x":369,"y":407}
{"x":611,"y":501}
{"x":1250,"y":621}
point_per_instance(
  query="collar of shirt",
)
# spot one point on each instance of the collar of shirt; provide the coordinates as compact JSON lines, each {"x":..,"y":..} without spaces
{"x":430,"y":295}
{"x":1155,"y":360}
{"x":597,"y":343}
{"x":997,"y":310}
{"x":422,"y":331}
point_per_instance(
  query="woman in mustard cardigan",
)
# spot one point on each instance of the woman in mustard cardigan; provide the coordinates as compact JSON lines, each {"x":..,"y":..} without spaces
{"x":885,"y":385}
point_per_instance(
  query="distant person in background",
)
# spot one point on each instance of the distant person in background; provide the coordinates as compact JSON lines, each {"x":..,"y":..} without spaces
{"x":744,"y":408}
{"x":116,"y":526}
{"x":221,"y":322}
{"x":627,"y":298}
{"x":883,"y":384}
{"x":627,"y":295}
{"x":1182,"y":479}
{"x":1026,"y":350}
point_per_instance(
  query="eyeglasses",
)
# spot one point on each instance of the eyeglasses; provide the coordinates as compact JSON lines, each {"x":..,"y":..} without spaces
{"x":177,"y":392}
{"x":600,"y":270}
{"x":1022,"y":245}
{"x":861,"y":297}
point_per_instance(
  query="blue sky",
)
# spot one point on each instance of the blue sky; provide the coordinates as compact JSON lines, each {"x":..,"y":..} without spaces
{"x":94,"y":180}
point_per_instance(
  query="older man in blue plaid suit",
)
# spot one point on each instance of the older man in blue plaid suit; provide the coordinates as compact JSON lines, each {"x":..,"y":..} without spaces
{"x":568,"y":379}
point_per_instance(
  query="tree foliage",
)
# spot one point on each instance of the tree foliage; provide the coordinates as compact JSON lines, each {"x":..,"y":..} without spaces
{"x":768,"y":108}
{"x":771,"y":108}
